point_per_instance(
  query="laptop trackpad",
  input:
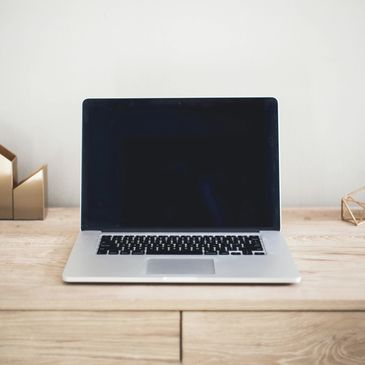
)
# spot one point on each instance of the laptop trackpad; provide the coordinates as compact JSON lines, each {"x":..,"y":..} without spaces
{"x":180,"y":266}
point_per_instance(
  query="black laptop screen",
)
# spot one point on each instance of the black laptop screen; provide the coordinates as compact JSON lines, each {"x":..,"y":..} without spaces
{"x":197,"y":164}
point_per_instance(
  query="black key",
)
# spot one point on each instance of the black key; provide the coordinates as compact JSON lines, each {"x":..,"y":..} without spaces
{"x":254,"y":241}
{"x":259,"y":253}
{"x":246,"y":252}
{"x":105,"y":245}
{"x":174,"y":239}
{"x":124,"y":252}
{"x":113,"y":252}
{"x":136,"y":240}
{"x":257,"y":248}
{"x":128,"y":239}
{"x":210,"y":252}
{"x":117,"y":239}
{"x":102,"y":251}
{"x":235,"y":253}
{"x":138,"y":252}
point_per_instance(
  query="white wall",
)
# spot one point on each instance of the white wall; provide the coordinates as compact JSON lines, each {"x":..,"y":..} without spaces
{"x":309,"y":54}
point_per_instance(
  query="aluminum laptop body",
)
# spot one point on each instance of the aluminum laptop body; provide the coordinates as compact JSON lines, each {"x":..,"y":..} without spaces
{"x":190,"y":170}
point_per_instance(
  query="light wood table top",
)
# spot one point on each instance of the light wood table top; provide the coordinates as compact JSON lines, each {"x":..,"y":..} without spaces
{"x":329,"y":253}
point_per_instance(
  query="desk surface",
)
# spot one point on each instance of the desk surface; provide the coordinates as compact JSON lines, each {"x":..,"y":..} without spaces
{"x":330,"y":255}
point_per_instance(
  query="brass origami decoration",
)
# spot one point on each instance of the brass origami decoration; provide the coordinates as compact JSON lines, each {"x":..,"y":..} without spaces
{"x":23,"y":200}
{"x":353,"y":207}
{"x":8,"y":169}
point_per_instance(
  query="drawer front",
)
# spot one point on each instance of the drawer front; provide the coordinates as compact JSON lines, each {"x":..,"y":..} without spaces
{"x":70,"y":337}
{"x":274,"y":338}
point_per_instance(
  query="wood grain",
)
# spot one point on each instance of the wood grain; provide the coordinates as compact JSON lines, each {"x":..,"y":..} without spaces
{"x":330,"y":255}
{"x":93,"y":338}
{"x":313,"y":338}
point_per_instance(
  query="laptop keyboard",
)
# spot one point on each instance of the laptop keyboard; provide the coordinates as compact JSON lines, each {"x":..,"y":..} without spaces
{"x":180,"y":245}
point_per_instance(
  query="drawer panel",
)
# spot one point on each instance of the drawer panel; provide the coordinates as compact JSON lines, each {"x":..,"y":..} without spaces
{"x":274,"y":338}
{"x":95,"y":337}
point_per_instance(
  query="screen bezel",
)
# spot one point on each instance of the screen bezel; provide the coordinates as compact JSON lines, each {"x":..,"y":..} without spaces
{"x":276,"y":214}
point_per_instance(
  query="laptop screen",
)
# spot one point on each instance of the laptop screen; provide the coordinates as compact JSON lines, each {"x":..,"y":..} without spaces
{"x":189,"y":164}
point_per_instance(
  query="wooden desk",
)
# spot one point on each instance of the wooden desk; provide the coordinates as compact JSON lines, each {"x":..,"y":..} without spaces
{"x":320,"y":321}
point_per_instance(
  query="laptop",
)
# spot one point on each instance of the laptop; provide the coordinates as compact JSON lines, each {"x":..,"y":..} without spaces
{"x":180,"y":190}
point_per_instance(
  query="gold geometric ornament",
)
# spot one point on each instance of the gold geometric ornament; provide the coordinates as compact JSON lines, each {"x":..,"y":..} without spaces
{"x":30,"y":195}
{"x":353,"y":207}
{"x":24,"y":200}
{"x":8,"y":170}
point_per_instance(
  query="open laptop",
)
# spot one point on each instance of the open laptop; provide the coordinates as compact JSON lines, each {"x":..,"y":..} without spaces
{"x":180,"y":190}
